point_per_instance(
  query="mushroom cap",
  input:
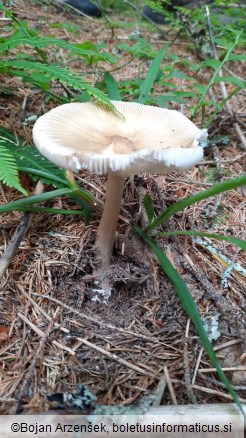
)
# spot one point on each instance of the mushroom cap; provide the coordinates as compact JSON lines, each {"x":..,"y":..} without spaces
{"x":146,"y":139}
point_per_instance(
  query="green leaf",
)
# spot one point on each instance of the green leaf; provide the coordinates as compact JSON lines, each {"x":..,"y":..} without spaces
{"x":96,"y":50}
{"x":45,"y":177}
{"x":151,"y":75}
{"x":70,"y":27}
{"x":163,"y":100}
{"x":179,"y":74}
{"x":234,"y":240}
{"x":185,"y":93}
{"x":80,"y":196}
{"x":21,"y":204}
{"x":191,"y":309}
{"x":237,"y":57}
{"x":222,"y":103}
{"x":201,"y":88}
{"x":53,"y":210}
{"x":180,"y":205}
{"x":233,"y":80}
{"x":213,"y":63}
{"x":149,"y":207}
{"x":216,"y":72}
{"x":167,"y":84}
{"x":8,"y":168}
{"x":112,"y":87}
{"x":211,"y":103}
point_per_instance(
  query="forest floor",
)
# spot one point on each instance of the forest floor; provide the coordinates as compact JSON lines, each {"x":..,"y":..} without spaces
{"x":121,"y":349}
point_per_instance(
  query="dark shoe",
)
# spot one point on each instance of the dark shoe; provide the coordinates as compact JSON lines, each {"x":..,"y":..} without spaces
{"x":85,"y":6}
{"x":154,"y":16}
{"x":159,"y":18}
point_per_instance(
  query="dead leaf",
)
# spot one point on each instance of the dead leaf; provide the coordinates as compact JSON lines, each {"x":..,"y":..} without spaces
{"x":4,"y":333}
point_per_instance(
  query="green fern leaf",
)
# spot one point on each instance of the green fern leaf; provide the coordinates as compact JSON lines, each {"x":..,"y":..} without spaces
{"x":8,"y":169}
{"x":29,"y":160}
{"x":56,"y":72}
{"x":20,"y":38}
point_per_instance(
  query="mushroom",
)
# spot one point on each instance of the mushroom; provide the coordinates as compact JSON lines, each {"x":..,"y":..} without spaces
{"x":146,"y":139}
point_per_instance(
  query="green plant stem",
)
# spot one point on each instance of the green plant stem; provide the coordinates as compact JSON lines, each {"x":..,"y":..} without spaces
{"x":216,"y":73}
{"x":77,"y":191}
{"x":180,"y":205}
{"x":222,"y":104}
{"x":81,"y":197}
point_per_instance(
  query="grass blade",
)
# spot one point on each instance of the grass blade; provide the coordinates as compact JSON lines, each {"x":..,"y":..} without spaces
{"x":20,"y":204}
{"x":44,"y":175}
{"x":149,"y":207}
{"x":180,"y":205}
{"x":191,"y":309}
{"x":112,"y":87}
{"x":238,"y":242}
{"x":151,"y":76}
{"x":216,"y":73}
{"x":53,"y":210}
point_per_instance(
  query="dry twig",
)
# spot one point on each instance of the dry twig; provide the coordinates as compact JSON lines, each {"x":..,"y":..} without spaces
{"x":170,"y":386}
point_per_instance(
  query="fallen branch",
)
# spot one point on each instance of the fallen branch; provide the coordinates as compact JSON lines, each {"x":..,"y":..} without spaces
{"x":18,"y":236}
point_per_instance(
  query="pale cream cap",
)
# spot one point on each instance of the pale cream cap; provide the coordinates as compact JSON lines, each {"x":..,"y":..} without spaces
{"x":146,"y":139}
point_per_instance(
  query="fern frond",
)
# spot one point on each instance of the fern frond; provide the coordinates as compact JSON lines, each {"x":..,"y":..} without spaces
{"x":41,"y":42}
{"x":56,"y":73}
{"x":29,"y":160}
{"x":8,"y":169}
{"x":26,"y":38}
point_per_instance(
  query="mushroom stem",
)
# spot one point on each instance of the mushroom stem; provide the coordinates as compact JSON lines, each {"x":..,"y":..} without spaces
{"x":108,"y":224}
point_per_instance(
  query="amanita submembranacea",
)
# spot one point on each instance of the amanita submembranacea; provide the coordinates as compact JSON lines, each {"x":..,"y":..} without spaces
{"x":88,"y":136}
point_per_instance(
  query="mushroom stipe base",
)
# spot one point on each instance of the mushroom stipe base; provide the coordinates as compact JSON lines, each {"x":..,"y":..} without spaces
{"x":107,"y":229}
